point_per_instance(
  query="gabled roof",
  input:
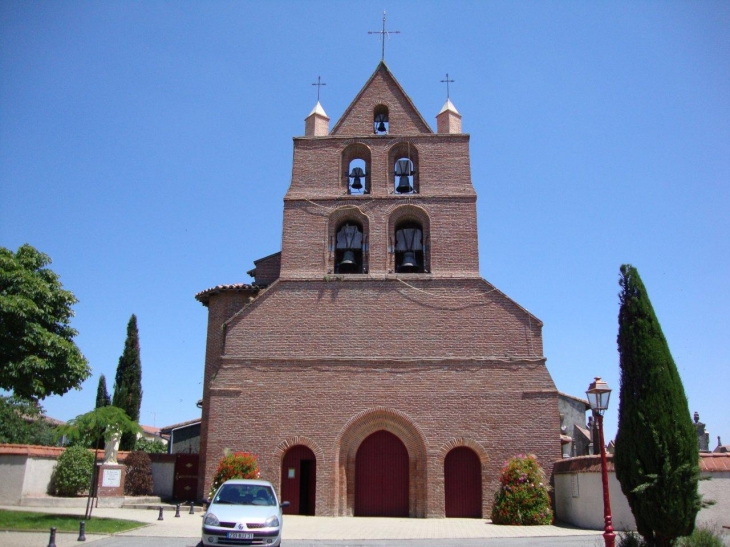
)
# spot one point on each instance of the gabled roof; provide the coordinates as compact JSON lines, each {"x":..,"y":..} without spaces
{"x":394,"y":94}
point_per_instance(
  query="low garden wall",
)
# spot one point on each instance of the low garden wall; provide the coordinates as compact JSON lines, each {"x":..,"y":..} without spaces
{"x":26,"y":471}
{"x":579,"y":492}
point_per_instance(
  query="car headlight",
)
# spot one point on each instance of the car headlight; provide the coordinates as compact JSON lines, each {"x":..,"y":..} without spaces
{"x":211,"y":520}
{"x":272,"y":522}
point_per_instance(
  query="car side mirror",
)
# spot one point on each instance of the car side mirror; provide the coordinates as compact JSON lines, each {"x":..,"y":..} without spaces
{"x":284,"y":504}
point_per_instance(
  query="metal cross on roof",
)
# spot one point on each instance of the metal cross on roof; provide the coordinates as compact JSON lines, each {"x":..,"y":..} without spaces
{"x":383,"y":33}
{"x":446,"y":81}
{"x":319,"y":85}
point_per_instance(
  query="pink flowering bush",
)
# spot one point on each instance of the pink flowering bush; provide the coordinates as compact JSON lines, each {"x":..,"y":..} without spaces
{"x":236,"y":465}
{"x":523,"y":496}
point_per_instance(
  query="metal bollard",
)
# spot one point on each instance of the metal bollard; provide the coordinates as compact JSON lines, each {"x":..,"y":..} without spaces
{"x":177,"y":511}
{"x":82,"y":531}
{"x":52,"y":539}
{"x":161,"y":517}
{"x":192,"y":508}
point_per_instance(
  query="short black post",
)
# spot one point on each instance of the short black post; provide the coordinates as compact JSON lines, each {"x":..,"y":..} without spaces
{"x":192,"y":508}
{"x":177,"y":511}
{"x":161,"y":517}
{"x":82,"y":531}
{"x":52,"y":539}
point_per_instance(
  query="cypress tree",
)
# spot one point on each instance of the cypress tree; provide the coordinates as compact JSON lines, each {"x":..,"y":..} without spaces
{"x":128,"y":382}
{"x":656,"y":455}
{"x":102,"y":395}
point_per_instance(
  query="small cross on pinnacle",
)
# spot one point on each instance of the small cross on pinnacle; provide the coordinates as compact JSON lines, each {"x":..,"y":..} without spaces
{"x":447,"y":81}
{"x":319,"y":85}
{"x":383,"y":33}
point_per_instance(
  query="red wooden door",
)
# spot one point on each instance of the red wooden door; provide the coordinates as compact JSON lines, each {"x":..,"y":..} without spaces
{"x":185,"y":486}
{"x":299,"y":480}
{"x":463,"y":478}
{"x":381,"y":477}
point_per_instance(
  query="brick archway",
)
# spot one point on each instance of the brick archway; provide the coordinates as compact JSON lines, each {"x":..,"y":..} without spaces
{"x":483,"y":457}
{"x":357,"y":429}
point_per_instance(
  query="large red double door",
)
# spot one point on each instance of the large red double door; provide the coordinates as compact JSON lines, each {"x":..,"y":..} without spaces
{"x":381,"y":477}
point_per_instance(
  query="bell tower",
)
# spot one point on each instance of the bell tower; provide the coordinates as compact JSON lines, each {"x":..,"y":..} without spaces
{"x":380,"y":195}
{"x":372,"y":333}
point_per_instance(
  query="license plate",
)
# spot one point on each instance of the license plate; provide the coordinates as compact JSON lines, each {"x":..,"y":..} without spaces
{"x":240,"y":535}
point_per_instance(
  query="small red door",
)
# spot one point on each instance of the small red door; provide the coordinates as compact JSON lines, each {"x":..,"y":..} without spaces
{"x":381,"y":477}
{"x":299,"y":480}
{"x":185,"y":486}
{"x":463,"y":478}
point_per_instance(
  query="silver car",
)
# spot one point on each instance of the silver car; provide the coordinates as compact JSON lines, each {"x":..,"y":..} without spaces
{"x":244,"y":512}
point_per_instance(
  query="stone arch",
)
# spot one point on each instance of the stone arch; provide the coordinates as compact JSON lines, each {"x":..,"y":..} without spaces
{"x":354,"y":433}
{"x":444,"y":449}
{"x":409,"y":214}
{"x":336,"y":219}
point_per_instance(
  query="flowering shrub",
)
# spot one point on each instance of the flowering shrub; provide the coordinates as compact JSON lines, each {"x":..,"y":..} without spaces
{"x":237,"y":465}
{"x":523,"y":497}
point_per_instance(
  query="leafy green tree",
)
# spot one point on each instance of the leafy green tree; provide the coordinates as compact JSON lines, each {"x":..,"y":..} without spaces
{"x":150,"y":447}
{"x":102,"y":395}
{"x":128,"y":382}
{"x":83,"y":430}
{"x":22,"y":422}
{"x":38,"y":356}
{"x":656,"y":454}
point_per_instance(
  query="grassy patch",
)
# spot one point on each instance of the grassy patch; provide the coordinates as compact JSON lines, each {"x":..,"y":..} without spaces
{"x":27,"y":520}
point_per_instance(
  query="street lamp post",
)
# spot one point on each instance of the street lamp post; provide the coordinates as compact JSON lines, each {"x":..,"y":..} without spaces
{"x":598,"y":395}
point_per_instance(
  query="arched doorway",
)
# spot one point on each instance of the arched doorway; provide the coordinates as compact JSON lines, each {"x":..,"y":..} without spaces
{"x":463,"y":483}
{"x":299,"y":480}
{"x":381,"y":477}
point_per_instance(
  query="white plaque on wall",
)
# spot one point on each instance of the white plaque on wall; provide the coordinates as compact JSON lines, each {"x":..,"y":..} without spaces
{"x":111,"y":478}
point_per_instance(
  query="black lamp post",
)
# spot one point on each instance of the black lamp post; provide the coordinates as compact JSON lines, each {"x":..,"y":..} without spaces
{"x":598,"y":394}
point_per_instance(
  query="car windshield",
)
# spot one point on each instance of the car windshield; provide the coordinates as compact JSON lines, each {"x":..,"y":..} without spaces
{"x":245,"y":494}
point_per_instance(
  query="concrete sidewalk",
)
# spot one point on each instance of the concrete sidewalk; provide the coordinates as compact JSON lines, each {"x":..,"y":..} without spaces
{"x":295,"y":528}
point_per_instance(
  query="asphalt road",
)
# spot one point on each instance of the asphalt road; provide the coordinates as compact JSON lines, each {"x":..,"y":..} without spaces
{"x":567,"y":541}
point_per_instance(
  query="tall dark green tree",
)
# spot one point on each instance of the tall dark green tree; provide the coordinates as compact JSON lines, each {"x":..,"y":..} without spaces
{"x":656,"y":455}
{"x":128,"y":382}
{"x":38,"y":356}
{"x":102,"y":395}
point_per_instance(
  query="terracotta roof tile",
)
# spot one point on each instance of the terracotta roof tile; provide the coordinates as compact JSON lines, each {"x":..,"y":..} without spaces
{"x":203,"y":296}
{"x":709,"y":463}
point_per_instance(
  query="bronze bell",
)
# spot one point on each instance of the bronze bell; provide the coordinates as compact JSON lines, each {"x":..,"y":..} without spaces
{"x":410,"y":263}
{"x":356,"y":175}
{"x":381,"y":127}
{"x":404,"y":185}
{"x":348,"y":264}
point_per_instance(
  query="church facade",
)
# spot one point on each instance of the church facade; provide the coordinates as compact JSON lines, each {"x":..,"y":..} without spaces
{"x":369,"y":367}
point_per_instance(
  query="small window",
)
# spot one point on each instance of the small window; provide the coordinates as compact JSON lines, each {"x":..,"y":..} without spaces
{"x":348,"y":249}
{"x":409,"y":248}
{"x":357,"y":180}
{"x":381,"y":123}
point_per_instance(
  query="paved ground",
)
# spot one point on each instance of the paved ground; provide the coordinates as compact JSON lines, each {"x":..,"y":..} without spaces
{"x":305,"y":531}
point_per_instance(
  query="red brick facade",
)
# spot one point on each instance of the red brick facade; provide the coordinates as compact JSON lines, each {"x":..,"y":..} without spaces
{"x":440,"y":358}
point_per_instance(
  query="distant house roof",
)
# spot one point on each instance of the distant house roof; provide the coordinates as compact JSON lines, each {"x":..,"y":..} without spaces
{"x":170,"y":428}
{"x":584,"y":401}
{"x":150,"y":430}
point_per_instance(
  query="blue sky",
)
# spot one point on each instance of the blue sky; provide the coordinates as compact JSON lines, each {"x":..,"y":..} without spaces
{"x":146,"y":147}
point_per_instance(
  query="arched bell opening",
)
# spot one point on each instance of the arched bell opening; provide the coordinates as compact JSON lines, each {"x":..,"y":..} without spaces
{"x":381,"y":121}
{"x":404,"y":174}
{"x":356,"y":169}
{"x":349,"y":248}
{"x":358,"y":178}
{"x":409,"y":256}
